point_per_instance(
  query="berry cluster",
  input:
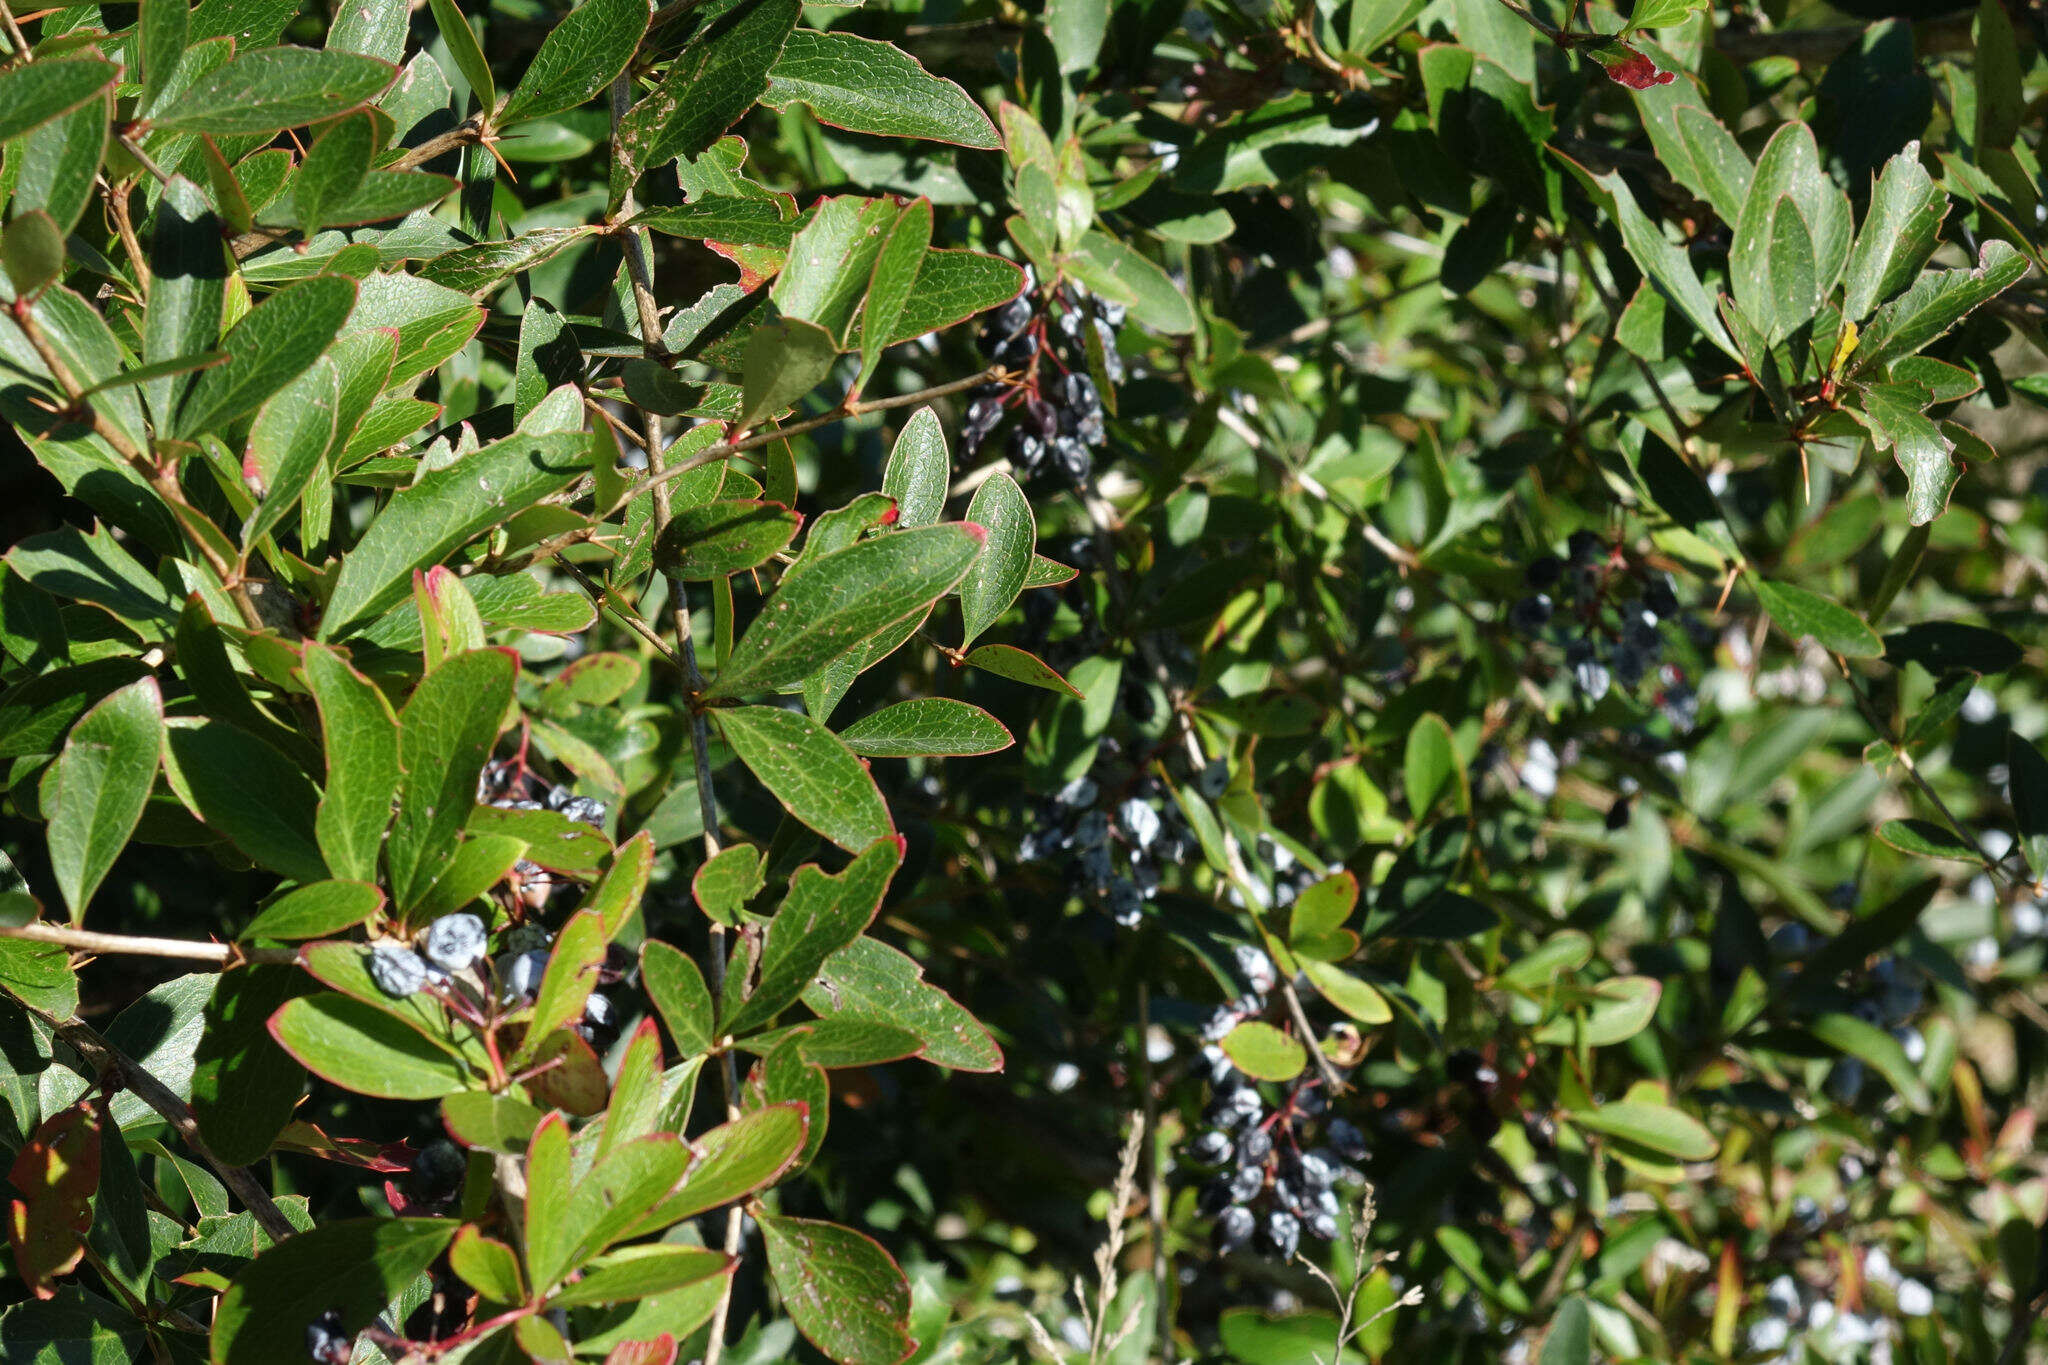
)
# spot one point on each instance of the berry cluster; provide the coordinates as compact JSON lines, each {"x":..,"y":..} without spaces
{"x":1060,"y":416}
{"x":1610,"y":617}
{"x":1887,"y":994}
{"x":451,"y":961}
{"x":509,"y":784}
{"x":1271,"y":1184}
{"x":1800,"y":1322}
{"x":1108,"y":842}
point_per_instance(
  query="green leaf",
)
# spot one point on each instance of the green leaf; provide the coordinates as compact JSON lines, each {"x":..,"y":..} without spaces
{"x":552,"y":839}
{"x":810,"y":771}
{"x":333,"y":170}
{"x":1117,"y":272}
{"x":714,"y":539}
{"x":739,"y":1157}
{"x":1569,"y":1340}
{"x":918,"y":470}
{"x":72,"y":1328}
{"x":840,"y":1043}
{"x":99,"y":786}
{"x":288,"y":445}
{"x":1925,"y":839}
{"x":1022,"y":666}
{"x":1894,"y":416}
{"x":580,"y":57}
{"x":1076,"y":28}
{"x":1429,"y":763}
{"x":844,"y":1292}
{"x":267,"y":349}
{"x":1658,"y":1127}
{"x":39,"y":974}
{"x":870,"y":980}
{"x":1349,"y":994}
{"x":32,"y":248}
{"x":250,"y":794}
{"x":60,"y":161}
{"x":354,"y":1267}
{"x":728,"y":879}
{"x":710,"y":85}
{"x":244,"y":1087}
{"x":608,"y":1204}
{"x":927,"y":727}
{"x":998,"y":572}
{"x":639,"y":1272}
{"x":1879,"y":1051}
{"x":33,"y":93}
{"x":831,"y":261}
{"x":1621,"y":1008}
{"x":570,"y":977}
{"x":496,"y":1123}
{"x":785,"y":360}
{"x":443,"y":510}
{"x":728,"y":220}
{"x":270,"y":88}
{"x":1936,"y":302}
{"x":361,"y":1048}
{"x":826,"y":606}
{"x":1800,"y":613}
{"x":361,"y":739}
{"x":679,"y":994}
{"x":1265,"y":1053}
{"x":466,"y":51}
{"x":487,"y":1265}
{"x":953,"y":286}
{"x":1664,"y":263}
{"x":822,"y":914}
{"x":318,"y":910}
{"x":445,"y":736}
{"x":1780,"y":262}
{"x":866,"y":86}
{"x":893,"y":282}
{"x":1899,"y":233}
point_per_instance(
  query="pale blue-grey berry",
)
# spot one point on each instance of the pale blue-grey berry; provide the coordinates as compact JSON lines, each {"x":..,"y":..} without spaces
{"x":397,"y":970}
{"x":454,"y":941}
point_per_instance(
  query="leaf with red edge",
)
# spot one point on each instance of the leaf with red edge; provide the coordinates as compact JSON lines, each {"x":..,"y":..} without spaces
{"x":660,"y":1351}
{"x":844,"y":1292}
{"x":1627,"y":66}
{"x":573,"y":1080}
{"x":309,"y":1140}
{"x":55,"y":1174}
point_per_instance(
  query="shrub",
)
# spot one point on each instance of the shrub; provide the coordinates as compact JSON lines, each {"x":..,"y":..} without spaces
{"x":667,"y":669}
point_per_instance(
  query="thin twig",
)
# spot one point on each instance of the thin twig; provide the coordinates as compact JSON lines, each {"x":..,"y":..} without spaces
{"x":639,"y":266}
{"x":135,"y":945}
{"x":107,"y":1059}
{"x":727,"y":449}
{"x":462,"y":135}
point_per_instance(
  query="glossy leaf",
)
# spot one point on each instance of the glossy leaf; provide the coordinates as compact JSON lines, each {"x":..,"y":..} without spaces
{"x":99,"y":786}
{"x":445,"y":735}
{"x":998,"y":572}
{"x":579,"y":58}
{"x":866,"y":86}
{"x":267,"y":349}
{"x":844,"y":1292}
{"x":918,"y":471}
{"x":822,"y":914}
{"x":810,"y":770}
{"x":33,"y":93}
{"x":714,"y":539}
{"x":826,"y":606}
{"x":361,"y":1048}
{"x":275,"y":87}
{"x":870,"y":980}
{"x":444,"y":509}
{"x":1800,"y":613}
{"x":354,"y":1267}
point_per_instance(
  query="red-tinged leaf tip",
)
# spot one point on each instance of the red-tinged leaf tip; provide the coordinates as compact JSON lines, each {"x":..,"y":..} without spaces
{"x":1631,"y":68}
{"x":977,"y":530}
{"x":252,"y":473}
{"x":902,"y":845}
{"x":890,"y":517}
